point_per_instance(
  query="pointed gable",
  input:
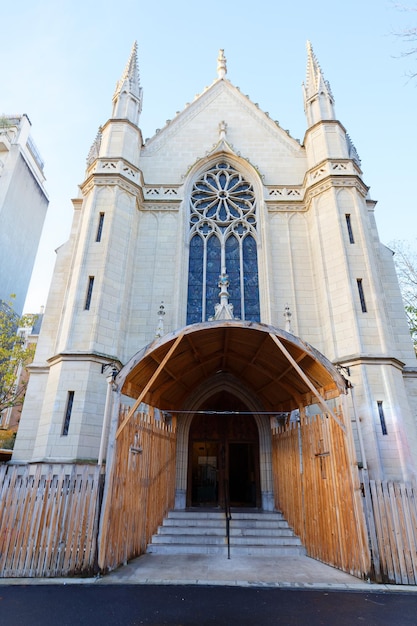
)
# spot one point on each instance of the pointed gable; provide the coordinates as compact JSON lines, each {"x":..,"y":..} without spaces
{"x":194,"y":133}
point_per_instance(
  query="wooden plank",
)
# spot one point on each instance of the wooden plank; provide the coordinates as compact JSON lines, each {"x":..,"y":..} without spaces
{"x":372,"y":522}
{"x":409,"y":547}
{"x":378,"y":499}
{"x":10,"y":527}
{"x":150,"y":382}
{"x":38,"y":498}
{"x":26,"y":536}
{"x":143,"y":491}
{"x":23,"y":515}
{"x":411,"y":521}
{"x":325,"y":515}
{"x":307,"y":381}
{"x":395,"y":538}
{"x":399,"y":534}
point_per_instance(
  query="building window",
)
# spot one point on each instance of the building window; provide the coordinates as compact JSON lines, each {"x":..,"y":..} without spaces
{"x":361,"y":295}
{"x":382,"y":418}
{"x":349,"y":228}
{"x":100,"y":227}
{"x":68,"y":411}
{"x":223,"y":240}
{"x":89,"y":293}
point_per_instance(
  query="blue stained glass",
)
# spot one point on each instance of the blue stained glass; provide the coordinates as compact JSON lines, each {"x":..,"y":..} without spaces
{"x":212,"y":275}
{"x":222,"y":201}
{"x":250,"y":279}
{"x":195,"y":280}
{"x":233,"y":211}
{"x":222,"y":213}
{"x":212,"y":211}
{"x":233,"y":271}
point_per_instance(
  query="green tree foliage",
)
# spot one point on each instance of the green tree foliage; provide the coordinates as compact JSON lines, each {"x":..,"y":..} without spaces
{"x":405,"y":259}
{"x":15,"y":354}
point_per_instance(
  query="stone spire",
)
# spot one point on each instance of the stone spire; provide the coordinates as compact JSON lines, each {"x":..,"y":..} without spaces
{"x":127,"y":99}
{"x":318,"y":97}
{"x":221,"y":65}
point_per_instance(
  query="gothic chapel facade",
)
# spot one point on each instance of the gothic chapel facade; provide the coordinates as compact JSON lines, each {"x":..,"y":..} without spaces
{"x":231,"y":278}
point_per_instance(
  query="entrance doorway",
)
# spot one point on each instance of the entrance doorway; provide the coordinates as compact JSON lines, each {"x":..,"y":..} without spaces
{"x":223,"y":459}
{"x":242,"y":474}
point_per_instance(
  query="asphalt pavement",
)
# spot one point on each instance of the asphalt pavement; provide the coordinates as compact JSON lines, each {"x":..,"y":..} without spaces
{"x":200,"y":605}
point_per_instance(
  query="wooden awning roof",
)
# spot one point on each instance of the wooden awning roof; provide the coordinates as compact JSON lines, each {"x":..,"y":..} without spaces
{"x":278,"y":368}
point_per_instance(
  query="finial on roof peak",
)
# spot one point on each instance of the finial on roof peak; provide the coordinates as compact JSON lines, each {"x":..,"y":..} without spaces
{"x":316,"y":88}
{"x":221,"y":64}
{"x":127,"y":99}
{"x":131,"y":71}
{"x":314,"y":73}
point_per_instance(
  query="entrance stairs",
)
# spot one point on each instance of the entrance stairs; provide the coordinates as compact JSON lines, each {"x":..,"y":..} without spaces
{"x":252,"y":533}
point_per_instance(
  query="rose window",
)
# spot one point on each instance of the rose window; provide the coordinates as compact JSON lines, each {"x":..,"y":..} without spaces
{"x":223,"y":239}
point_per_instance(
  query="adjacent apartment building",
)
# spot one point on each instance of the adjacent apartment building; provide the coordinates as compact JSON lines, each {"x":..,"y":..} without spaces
{"x":23,"y":207}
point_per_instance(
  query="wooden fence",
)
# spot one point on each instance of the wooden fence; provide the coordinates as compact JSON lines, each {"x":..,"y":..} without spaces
{"x":140,"y":489}
{"x":391,"y":515}
{"x":318,"y":490}
{"x":48,"y":519}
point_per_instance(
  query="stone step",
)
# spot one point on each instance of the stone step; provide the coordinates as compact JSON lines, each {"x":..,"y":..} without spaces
{"x":215,"y":515}
{"x":221,"y":539}
{"x":235,"y":550}
{"x":220,"y":523}
{"x":203,"y":532}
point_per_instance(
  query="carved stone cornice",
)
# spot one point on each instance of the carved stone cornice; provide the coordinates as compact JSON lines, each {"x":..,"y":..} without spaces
{"x":116,"y":166}
{"x":284,"y":193}
{"x":284,"y":198}
{"x":332,"y":181}
{"x":410,"y":372}
{"x":284,"y":207}
{"x":94,"y":357}
{"x":111,"y":180}
{"x":355,"y":360}
{"x":331,"y":167}
{"x":113,"y":172}
{"x":162,"y":192}
{"x":160,"y":206}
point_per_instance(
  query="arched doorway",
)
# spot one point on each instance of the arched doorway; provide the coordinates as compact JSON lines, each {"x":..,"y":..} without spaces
{"x":223,"y":455}
{"x":196,"y":371}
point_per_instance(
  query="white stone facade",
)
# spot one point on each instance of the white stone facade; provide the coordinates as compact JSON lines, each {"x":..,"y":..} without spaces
{"x":318,"y":254}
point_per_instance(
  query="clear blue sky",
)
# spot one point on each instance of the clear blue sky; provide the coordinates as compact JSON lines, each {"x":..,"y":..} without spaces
{"x":60,"y":60}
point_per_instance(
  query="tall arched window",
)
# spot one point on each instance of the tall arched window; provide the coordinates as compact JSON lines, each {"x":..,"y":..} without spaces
{"x":223,"y":239}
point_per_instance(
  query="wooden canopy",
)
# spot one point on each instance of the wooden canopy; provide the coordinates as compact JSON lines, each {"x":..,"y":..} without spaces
{"x":277,"y":367}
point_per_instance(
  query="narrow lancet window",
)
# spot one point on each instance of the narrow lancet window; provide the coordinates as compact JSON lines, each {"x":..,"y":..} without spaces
{"x":382,"y":418}
{"x":89,"y":293}
{"x":349,"y":228}
{"x":361,"y":295}
{"x":68,"y":411}
{"x":100,"y":227}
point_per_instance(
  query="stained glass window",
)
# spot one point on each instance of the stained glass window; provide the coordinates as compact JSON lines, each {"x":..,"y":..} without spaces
{"x":223,"y":239}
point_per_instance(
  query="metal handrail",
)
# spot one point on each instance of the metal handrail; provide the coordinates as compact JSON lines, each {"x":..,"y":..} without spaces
{"x":228,"y":514}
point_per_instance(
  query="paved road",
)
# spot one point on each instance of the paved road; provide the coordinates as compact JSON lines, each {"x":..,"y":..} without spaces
{"x":131,"y":605}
